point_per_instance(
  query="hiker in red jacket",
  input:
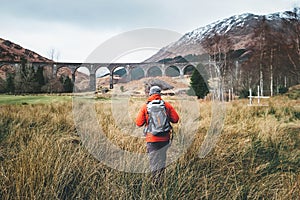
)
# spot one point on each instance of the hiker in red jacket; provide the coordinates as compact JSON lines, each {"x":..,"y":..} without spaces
{"x":158,"y":143}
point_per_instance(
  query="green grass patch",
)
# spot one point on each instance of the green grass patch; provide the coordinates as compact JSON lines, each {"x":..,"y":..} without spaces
{"x":32,"y":99}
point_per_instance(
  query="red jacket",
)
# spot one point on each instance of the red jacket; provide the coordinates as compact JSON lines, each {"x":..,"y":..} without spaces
{"x":142,"y":119}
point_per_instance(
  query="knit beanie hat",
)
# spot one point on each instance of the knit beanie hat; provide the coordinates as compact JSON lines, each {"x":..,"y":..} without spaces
{"x":154,"y":90}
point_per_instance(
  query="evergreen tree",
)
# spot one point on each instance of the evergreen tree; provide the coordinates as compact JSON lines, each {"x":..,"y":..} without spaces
{"x":39,"y":78}
{"x":25,"y":78}
{"x":198,"y":85}
{"x":67,"y":83}
{"x":2,"y":85}
{"x":10,"y":84}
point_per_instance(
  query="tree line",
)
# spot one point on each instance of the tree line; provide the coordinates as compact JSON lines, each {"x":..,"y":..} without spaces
{"x":272,"y":61}
{"x":28,"y":79}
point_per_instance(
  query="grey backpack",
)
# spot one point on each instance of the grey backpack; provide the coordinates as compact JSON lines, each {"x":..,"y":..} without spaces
{"x":158,"y":122}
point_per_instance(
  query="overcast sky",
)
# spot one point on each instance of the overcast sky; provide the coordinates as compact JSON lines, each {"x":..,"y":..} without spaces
{"x":75,"y":28}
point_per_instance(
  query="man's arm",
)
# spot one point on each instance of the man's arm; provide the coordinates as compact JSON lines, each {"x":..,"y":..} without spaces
{"x":173,"y":115}
{"x":141,"y":117}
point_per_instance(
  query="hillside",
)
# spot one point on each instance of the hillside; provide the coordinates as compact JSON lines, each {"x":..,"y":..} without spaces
{"x":174,"y":85}
{"x":235,"y":33}
{"x":10,"y":51}
{"x":249,"y":49}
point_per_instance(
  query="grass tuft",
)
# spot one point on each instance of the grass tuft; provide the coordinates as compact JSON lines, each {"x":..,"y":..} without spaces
{"x":257,"y":155}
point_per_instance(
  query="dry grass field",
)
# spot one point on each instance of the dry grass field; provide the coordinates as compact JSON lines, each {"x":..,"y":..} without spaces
{"x":257,"y":155}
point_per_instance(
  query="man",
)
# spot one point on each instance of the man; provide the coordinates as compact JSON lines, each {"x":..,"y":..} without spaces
{"x":157,"y":143}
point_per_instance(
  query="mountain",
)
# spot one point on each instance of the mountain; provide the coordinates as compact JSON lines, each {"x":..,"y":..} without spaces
{"x":234,"y":33}
{"x":249,"y":49}
{"x":12,"y":52}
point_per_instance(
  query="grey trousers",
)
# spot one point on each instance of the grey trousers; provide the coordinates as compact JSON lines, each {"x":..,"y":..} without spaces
{"x":157,"y":152}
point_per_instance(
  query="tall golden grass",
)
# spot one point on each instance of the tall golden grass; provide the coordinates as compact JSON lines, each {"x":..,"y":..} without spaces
{"x":257,"y":156}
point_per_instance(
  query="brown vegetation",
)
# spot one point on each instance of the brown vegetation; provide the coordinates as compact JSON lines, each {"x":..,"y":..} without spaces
{"x":256,"y":156}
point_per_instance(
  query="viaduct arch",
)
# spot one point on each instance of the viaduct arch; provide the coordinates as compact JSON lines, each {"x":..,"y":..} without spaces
{"x":131,"y":69}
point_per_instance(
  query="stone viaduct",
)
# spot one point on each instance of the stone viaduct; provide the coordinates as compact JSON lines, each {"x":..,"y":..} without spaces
{"x":147,"y":69}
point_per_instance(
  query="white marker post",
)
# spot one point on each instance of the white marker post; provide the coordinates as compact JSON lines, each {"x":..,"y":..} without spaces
{"x":258,"y":95}
{"x":250,"y":96}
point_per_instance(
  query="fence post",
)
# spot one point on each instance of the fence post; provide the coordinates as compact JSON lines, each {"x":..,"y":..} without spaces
{"x":250,"y":96}
{"x":258,"y":101}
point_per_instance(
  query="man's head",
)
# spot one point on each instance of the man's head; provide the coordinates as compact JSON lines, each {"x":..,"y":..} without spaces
{"x":154,"y":90}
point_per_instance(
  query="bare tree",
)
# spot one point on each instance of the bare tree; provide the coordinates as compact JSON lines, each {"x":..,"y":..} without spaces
{"x":53,"y":54}
{"x":271,"y":72}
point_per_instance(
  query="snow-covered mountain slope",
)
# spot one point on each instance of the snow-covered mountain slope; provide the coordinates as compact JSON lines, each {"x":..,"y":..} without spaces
{"x":237,"y":32}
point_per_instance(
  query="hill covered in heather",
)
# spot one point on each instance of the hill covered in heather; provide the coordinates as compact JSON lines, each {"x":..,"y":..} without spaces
{"x":12,"y":52}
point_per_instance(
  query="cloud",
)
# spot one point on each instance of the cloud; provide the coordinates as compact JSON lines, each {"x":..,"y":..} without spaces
{"x":75,"y":28}
{"x":128,"y":14}
{"x":92,"y":13}
{"x":73,"y":43}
